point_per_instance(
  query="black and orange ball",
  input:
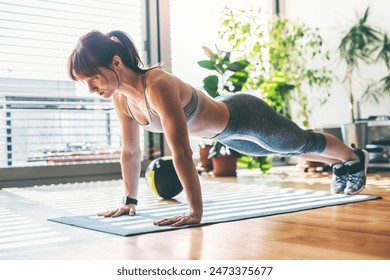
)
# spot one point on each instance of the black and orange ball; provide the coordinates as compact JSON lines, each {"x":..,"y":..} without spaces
{"x":162,"y":179}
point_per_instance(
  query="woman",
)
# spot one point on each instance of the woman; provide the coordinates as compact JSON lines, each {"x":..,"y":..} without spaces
{"x":158,"y":101}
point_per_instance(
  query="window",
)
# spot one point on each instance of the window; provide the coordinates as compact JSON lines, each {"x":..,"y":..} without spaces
{"x":45,"y":118}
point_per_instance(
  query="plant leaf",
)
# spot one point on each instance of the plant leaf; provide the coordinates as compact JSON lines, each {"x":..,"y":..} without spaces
{"x":386,"y":84}
{"x":238,"y":80}
{"x":210,"y":84}
{"x":208,"y":51}
{"x":238,"y":65}
{"x":208,"y":64}
{"x":384,"y":52}
{"x":215,"y":149}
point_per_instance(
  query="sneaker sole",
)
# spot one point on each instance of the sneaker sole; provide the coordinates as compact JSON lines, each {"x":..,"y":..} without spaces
{"x":366,"y":160}
{"x":332,"y":191}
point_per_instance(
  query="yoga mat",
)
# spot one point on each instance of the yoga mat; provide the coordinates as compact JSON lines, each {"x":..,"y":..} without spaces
{"x":215,"y":211}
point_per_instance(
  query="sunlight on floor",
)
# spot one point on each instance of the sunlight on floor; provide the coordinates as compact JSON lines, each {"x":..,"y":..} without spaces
{"x":17,"y":231}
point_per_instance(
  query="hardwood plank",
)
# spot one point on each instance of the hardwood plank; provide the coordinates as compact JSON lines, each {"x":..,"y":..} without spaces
{"x":353,"y":231}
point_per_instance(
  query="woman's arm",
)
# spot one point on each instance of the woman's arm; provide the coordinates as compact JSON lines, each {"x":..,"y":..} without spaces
{"x":130,"y":159}
{"x":165,"y":99}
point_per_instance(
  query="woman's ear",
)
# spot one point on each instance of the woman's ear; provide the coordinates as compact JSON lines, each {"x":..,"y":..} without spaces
{"x":116,"y":62}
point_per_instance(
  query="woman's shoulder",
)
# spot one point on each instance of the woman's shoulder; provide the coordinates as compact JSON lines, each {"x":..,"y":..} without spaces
{"x":156,"y":74}
{"x":120,"y":103}
{"x":160,"y":79}
{"x":118,"y":98}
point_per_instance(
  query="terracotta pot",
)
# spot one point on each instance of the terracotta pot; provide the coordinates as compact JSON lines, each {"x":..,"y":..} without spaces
{"x":225,"y":165}
{"x":205,"y":163}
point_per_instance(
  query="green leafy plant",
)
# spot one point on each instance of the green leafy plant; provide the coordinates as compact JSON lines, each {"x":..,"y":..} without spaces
{"x":277,"y":55}
{"x":271,"y":59}
{"x":280,"y":53}
{"x":363,"y":43}
{"x":254,"y":162}
{"x":230,"y":77}
{"x":217,"y":148}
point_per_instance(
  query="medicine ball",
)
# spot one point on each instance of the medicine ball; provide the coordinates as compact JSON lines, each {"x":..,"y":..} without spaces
{"x":162,"y":179}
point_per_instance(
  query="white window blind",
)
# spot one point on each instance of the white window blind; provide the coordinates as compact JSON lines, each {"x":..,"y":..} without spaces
{"x":44,"y":117}
{"x":36,"y":36}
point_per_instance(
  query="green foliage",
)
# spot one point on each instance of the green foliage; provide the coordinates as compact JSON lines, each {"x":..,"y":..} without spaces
{"x":210,"y":84}
{"x":385,"y":83}
{"x":231,"y":76}
{"x":363,"y":43}
{"x":218,"y":148}
{"x":270,"y":59}
{"x":359,"y":42}
{"x":253,"y":162}
{"x":279,"y":53}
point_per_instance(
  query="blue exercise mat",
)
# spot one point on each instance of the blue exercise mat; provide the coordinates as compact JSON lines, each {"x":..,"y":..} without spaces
{"x":215,"y":211}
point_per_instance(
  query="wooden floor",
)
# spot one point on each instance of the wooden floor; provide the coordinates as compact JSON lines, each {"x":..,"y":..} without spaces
{"x":352,"y":231}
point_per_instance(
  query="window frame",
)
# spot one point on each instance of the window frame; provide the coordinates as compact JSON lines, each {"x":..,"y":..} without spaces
{"x":155,"y":16}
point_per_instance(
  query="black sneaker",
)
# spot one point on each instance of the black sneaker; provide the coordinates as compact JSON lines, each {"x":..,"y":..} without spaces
{"x":339,"y":178}
{"x":357,"y":172}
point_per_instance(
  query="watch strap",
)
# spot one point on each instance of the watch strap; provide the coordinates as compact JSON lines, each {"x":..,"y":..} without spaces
{"x":128,"y":200}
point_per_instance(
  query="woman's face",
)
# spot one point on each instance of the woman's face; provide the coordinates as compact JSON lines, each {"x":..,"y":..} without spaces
{"x":104,"y":84}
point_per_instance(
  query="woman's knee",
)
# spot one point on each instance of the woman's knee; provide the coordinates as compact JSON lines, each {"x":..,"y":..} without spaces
{"x":316,"y":143}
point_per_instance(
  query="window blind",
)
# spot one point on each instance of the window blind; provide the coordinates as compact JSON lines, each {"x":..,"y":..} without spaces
{"x":44,"y":117}
{"x":36,"y":36}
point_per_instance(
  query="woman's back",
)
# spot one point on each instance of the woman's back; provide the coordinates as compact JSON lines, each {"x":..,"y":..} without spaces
{"x":205,"y":116}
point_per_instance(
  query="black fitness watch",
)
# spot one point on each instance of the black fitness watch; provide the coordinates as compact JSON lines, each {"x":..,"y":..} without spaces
{"x":127,"y":200}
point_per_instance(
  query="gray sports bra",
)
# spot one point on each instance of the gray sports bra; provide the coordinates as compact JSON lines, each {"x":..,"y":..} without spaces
{"x":192,"y":110}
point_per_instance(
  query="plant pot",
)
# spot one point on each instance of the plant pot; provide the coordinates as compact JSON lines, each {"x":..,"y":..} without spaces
{"x":205,"y":162}
{"x":224,"y":165}
{"x":355,"y":133}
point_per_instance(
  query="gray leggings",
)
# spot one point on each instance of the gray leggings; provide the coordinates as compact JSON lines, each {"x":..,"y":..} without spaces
{"x":255,"y":128}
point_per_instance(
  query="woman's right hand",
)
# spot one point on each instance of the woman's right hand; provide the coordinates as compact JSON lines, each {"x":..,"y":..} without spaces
{"x":124,"y":209}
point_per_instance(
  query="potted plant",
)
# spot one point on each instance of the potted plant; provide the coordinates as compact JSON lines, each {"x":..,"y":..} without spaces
{"x":363,"y":43}
{"x":205,"y":164}
{"x":280,"y":53}
{"x":230,"y":76}
{"x":224,"y":160}
{"x":276,"y":56}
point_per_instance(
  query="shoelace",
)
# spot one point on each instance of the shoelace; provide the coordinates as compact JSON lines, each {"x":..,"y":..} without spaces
{"x":339,"y":179}
{"x":354,"y":179}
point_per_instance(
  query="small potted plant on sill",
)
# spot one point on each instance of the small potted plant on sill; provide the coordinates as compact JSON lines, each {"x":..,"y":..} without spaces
{"x":363,"y":43}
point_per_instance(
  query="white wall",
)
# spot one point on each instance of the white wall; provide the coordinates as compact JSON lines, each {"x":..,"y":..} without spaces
{"x":333,"y":17}
{"x":195,"y":23}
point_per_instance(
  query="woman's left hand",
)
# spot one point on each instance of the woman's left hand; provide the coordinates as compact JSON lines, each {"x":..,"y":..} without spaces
{"x":181,"y":220}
